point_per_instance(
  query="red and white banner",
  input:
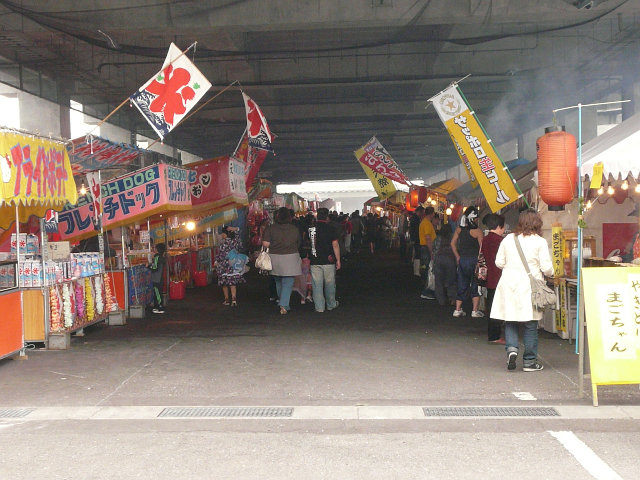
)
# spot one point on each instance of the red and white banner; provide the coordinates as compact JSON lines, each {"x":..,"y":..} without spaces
{"x":95,"y":187}
{"x":252,"y":157}
{"x":374,"y":156}
{"x":258,"y":131}
{"x":167,"y":97}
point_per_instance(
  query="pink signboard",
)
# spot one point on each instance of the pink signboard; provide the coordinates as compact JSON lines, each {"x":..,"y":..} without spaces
{"x":217,"y":183}
{"x":129,"y":199}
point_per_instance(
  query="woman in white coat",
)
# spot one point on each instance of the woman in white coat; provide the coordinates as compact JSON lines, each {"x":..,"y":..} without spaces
{"x":512,"y":300}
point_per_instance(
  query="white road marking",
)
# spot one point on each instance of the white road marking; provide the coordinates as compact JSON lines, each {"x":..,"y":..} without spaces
{"x":524,"y":396}
{"x":587,"y":457}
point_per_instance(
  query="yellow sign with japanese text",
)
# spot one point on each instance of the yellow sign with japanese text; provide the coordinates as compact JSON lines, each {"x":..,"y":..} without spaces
{"x":383,"y":186}
{"x":36,"y":175}
{"x":475,"y":149}
{"x":596,"y":176}
{"x":557,"y":258}
{"x":612,"y":306}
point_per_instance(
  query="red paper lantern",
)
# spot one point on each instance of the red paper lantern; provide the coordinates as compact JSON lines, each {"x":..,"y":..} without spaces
{"x":456,"y":212}
{"x":423,"y":193}
{"x":413,"y":196}
{"x":557,"y":167}
{"x":408,"y":204}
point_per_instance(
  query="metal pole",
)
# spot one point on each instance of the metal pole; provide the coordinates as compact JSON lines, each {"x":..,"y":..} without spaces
{"x":580,"y":210}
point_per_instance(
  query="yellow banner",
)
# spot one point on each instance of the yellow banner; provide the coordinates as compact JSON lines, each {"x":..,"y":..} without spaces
{"x":596,"y":176}
{"x":383,"y":186}
{"x":474,"y":147}
{"x":557,"y":256}
{"x":36,"y":174}
{"x":613,"y":323}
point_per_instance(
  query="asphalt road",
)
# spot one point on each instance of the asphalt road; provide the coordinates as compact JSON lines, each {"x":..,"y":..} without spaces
{"x":356,"y":380}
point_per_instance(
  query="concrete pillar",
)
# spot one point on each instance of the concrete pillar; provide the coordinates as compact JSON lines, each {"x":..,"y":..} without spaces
{"x":64,"y":88}
{"x":630,"y":90}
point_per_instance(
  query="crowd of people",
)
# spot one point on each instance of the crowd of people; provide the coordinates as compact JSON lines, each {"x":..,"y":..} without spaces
{"x":306,"y":252}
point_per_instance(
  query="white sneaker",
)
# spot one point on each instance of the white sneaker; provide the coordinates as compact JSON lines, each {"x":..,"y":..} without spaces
{"x":459,"y":313}
{"x":477,"y":314}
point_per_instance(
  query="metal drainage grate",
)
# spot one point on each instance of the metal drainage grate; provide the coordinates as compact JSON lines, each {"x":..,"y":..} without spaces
{"x":15,"y":412}
{"x":269,"y":412}
{"x":490,"y":412}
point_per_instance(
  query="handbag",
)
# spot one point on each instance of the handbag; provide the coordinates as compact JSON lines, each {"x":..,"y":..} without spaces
{"x":263,"y":262}
{"x":541,"y":295}
{"x":481,"y":270}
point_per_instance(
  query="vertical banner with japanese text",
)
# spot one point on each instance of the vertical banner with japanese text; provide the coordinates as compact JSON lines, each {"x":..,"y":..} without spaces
{"x":475,"y":149}
{"x":612,"y":307}
{"x":557,"y":258}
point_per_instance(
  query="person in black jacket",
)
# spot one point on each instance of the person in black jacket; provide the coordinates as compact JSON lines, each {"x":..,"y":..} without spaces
{"x":157,"y":270}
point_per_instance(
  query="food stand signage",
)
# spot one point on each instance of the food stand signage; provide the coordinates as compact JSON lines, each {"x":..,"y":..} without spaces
{"x":128,"y":199}
{"x":35,"y":173}
{"x":217,"y":183}
{"x":612,"y":306}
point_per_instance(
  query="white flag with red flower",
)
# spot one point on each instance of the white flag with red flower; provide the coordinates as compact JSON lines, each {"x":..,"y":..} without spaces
{"x":167,"y":97}
{"x":95,"y":190}
{"x":258,"y":132}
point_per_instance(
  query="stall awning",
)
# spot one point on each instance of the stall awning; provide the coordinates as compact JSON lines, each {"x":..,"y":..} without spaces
{"x":617,"y":149}
{"x":158,"y":232}
{"x":90,"y":154}
{"x":445,"y":186}
{"x":36,"y":176}
{"x":466,"y":194}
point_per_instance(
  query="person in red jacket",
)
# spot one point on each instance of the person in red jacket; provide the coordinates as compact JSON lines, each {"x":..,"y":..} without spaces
{"x":490,"y":245}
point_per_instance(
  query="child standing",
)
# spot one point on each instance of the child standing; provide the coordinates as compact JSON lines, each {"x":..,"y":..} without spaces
{"x":157,"y":271}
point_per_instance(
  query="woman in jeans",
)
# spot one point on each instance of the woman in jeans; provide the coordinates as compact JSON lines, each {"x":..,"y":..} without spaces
{"x":466,"y":246}
{"x":283,"y":241}
{"x":512,"y":301}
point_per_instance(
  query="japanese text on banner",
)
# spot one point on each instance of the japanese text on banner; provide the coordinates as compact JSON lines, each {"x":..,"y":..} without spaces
{"x":374,"y":156}
{"x":474,"y":147}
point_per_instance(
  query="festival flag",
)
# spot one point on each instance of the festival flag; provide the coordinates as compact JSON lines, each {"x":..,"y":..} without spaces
{"x":258,"y":133}
{"x":252,"y":157}
{"x":95,"y":190}
{"x":475,"y":149}
{"x":375,"y":157}
{"x":381,"y":184}
{"x":167,"y":97}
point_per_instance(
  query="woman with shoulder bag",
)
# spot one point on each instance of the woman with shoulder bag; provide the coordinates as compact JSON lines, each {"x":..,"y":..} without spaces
{"x":512,"y":300}
{"x":283,"y":241}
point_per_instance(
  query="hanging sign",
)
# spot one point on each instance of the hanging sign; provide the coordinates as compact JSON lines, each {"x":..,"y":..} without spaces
{"x":128,"y":199}
{"x":36,"y":174}
{"x":218,"y":183}
{"x":475,"y":149}
{"x":612,"y":306}
{"x":596,"y":176}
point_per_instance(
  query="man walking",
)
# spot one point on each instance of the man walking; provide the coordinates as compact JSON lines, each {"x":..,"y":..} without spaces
{"x":414,"y":236}
{"x":325,"y":260}
{"x":427,"y":235}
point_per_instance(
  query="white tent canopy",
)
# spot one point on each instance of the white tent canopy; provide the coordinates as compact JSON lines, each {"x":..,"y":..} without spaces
{"x":618,"y":149}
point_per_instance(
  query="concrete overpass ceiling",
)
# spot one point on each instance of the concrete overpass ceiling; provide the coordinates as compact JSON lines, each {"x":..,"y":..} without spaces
{"x":329,"y":74}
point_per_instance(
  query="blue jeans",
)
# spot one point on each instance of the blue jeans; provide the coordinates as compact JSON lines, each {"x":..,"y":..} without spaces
{"x":467,"y":278}
{"x":284,"y":287}
{"x":529,"y":338}
{"x":323,"y":282}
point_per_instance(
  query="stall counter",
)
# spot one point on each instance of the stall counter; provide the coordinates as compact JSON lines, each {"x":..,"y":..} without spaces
{"x":11,"y":334}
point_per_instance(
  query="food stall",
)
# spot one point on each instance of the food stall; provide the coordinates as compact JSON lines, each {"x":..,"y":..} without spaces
{"x":128,"y":201}
{"x":36,"y":179}
{"x":217,"y":194}
{"x":610,"y":310}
